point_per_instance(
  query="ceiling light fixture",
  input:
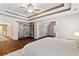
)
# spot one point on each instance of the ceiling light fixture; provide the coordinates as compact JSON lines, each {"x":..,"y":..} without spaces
{"x":30,"y":8}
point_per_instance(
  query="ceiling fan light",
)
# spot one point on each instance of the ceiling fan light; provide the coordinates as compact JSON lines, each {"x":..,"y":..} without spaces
{"x":29,"y":10}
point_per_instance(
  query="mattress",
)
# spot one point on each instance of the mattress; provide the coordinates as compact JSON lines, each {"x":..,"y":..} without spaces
{"x":51,"y":47}
{"x":15,"y":53}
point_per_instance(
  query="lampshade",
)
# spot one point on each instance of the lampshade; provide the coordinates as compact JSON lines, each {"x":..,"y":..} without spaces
{"x":77,"y":34}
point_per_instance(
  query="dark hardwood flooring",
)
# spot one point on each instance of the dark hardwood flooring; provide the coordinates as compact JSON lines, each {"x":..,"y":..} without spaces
{"x":10,"y":45}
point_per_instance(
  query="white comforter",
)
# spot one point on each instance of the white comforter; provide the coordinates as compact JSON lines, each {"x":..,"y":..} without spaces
{"x":51,"y":47}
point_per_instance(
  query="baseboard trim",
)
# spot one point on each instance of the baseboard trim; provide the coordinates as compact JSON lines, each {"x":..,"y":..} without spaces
{"x":25,"y":37}
{"x":46,"y":36}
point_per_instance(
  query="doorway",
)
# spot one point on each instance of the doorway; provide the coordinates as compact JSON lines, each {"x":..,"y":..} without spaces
{"x":51,"y":29}
{"x":3,"y":29}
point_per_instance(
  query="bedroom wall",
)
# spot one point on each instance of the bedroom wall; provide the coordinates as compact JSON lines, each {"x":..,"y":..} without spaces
{"x":13,"y":25}
{"x":44,"y":29}
{"x":41,"y":29}
{"x":66,"y":26}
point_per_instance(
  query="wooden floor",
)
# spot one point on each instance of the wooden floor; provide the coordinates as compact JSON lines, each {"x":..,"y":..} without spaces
{"x":9,"y":45}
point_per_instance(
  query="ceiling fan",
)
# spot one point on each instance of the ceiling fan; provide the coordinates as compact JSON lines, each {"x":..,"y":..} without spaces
{"x":30,"y":8}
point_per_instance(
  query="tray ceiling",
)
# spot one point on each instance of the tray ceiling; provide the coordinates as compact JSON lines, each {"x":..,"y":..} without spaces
{"x":44,"y":9}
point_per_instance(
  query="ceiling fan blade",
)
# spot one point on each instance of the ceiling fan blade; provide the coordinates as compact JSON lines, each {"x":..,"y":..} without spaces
{"x":36,"y":9}
{"x":33,"y":13}
{"x":25,"y":11}
{"x":22,"y":7}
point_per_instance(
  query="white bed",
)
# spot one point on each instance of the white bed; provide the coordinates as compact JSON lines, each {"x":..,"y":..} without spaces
{"x":51,"y":47}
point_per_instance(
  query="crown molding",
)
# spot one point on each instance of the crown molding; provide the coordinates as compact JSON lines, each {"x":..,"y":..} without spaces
{"x":12,"y":15}
{"x":15,"y":13}
{"x":50,"y":9}
{"x":51,"y":13}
